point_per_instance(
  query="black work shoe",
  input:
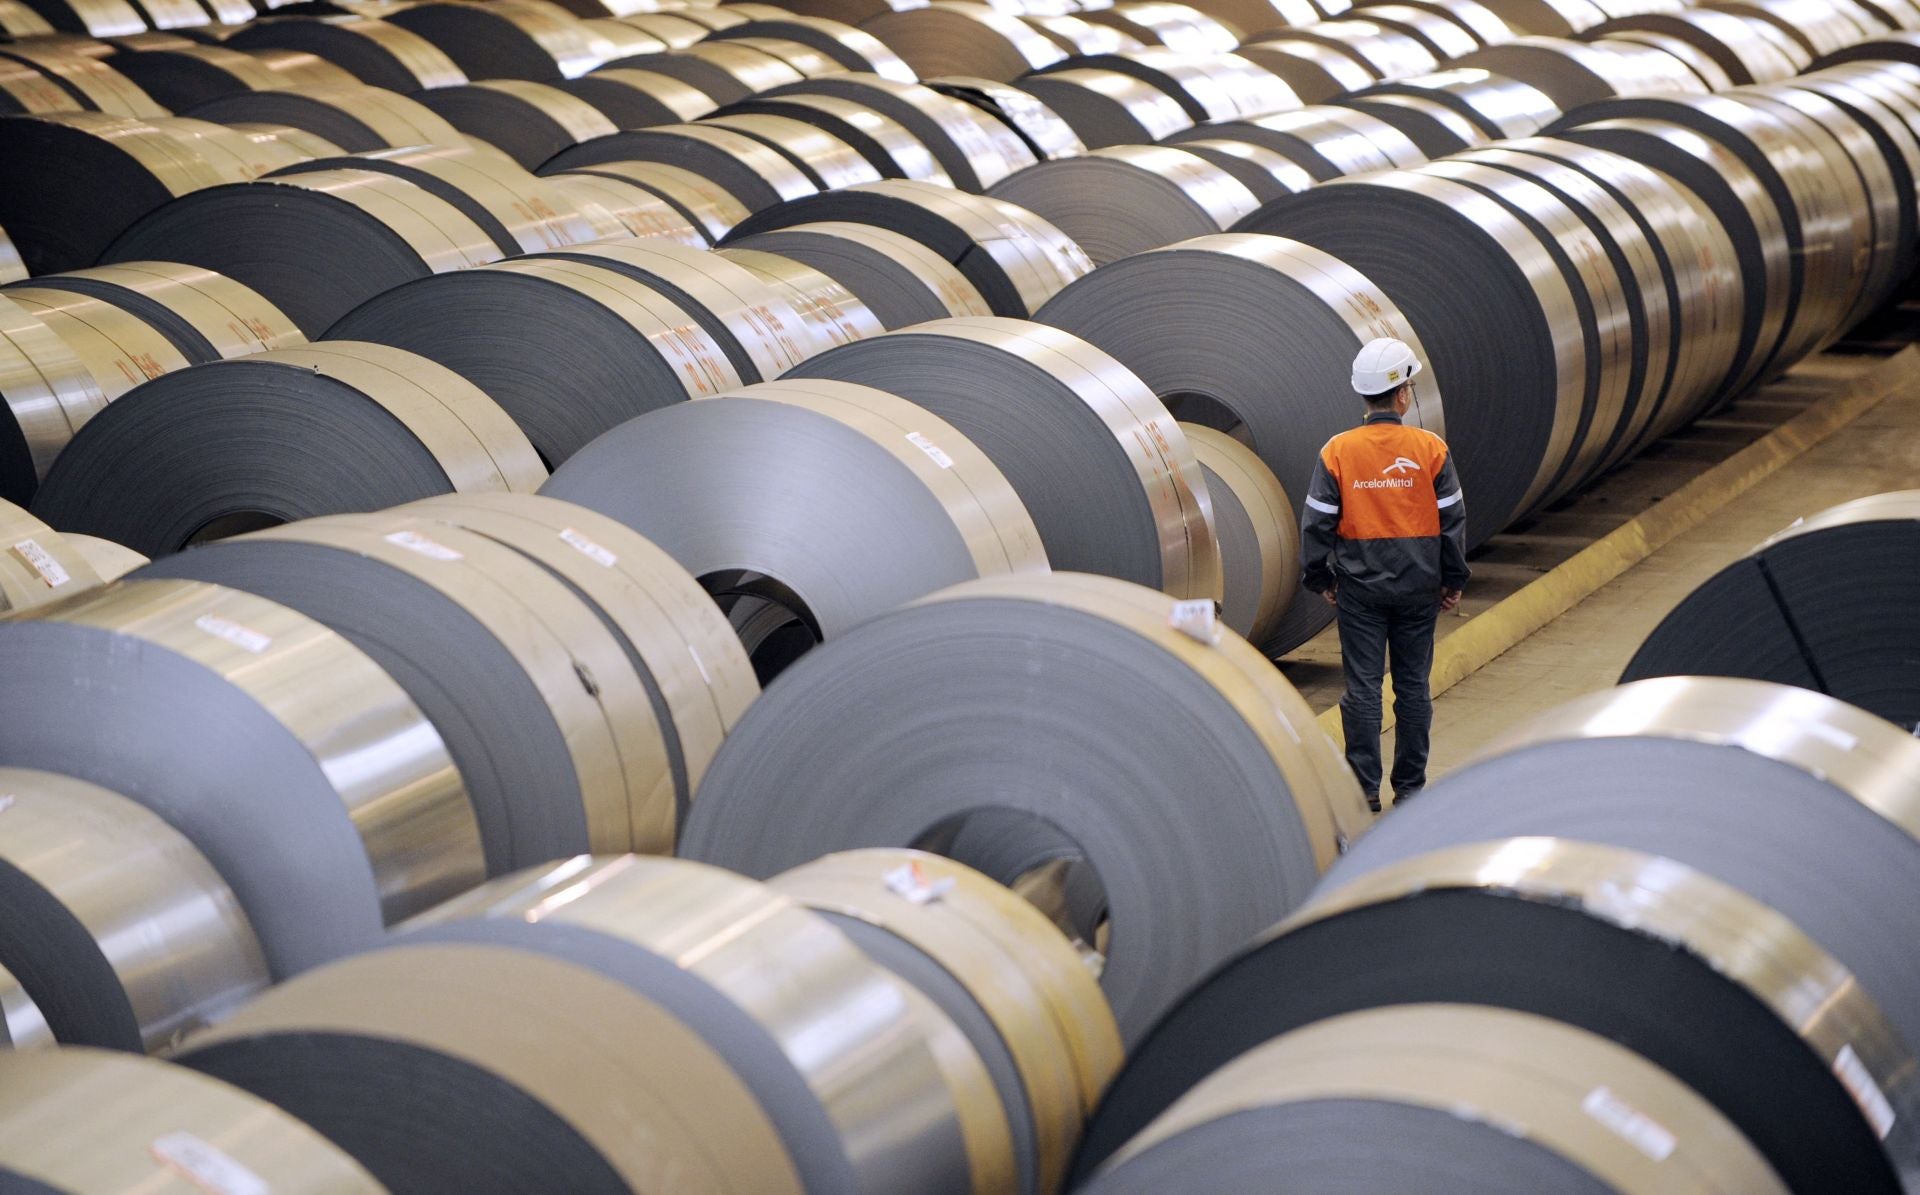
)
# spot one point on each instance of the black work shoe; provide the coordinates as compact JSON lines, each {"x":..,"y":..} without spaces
{"x":1373,"y":803}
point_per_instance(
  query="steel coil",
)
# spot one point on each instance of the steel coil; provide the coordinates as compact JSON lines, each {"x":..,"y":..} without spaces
{"x":1483,"y":24}
{"x":976,"y":150}
{"x":1207,"y":86}
{"x":711,"y":209}
{"x":1108,"y":478}
{"x":758,"y":175}
{"x":1791,"y":610}
{"x":110,"y":560}
{"x":93,"y":1120}
{"x":1315,"y":72}
{"x":636,"y":99}
{"x":1603,"y":938}
{"x":1163,"y":23}
{"x":1500,"y":107}
{"x":1433,"y":126}
{"x":827,"y":161}
{"x":354,"y":118}
{"x":999,"y":969}
{"x":25,"y":91}
{"x":48,"y":392}
{"x":728,"y":72}
{"x":90,"y":18}
{"x":301,"y":142}
{"x":1327,"y":141}
{"x":886,"y":144}
{"x":505,"y":39}
{"x":1445,"y":35}
{"x":95,"y":85}
{"x":1096,"y":661}
{"x":808,"y":60}
{"x":1443,"y":1098}
{"x":1887,"y":47}
{"x":1702,"y":64}
{"x":1385,"y":53}
{"x":1043,"y":131}
{"x":1260,"y":170}
{"x":900,"y":280}
{"x":950,"y":38}
{"x":1573,"y":73}
{"x":1258,"y":533}
{"x":1106,"y":107}
{"x":297,"y":68}
{"x":1747,"y":50}
{"x":1823,"y":28}
{"x":1126,"y":199}
{"x":192,"y":75}
{"x":1015,"y":258}
{"x":1077,"y":36}
{"x":316,"y":245}
{"x":1548,"y":18}
{"x":633,"y":210}
{"x":833,"y":314}
{"x":378,"y":53}
{"x":530,"y":122}
{"x":521,"y":649}
{"x":18,"y":21}
{"x":217,"y":450}
{"x":205,"y":316}
{"x":118,"y":350}
{"x":240,"y":722}
{"x":1883,"y":114}
{"x":1248,"y":332}
{"x":38,"y":565}
{"x":852,"y":48}
{"x":117,"y":929}
{"x":675,"y":29}
{"x":1520,"y":337}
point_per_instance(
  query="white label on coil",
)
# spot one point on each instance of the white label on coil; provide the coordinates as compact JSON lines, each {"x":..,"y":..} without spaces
{"x":1196,"y":619}
{"x":1833,"y":734}
{"x":1630,"y":1124}
{"x":244,"y":638}
{"x":932,"y":450}
{"x":413,"y":541}
{"x":908,"y":881}
{"x":6,"y":802}
{"x":588,"y":548}
{"x":41,"y":561}
{"x":1859,"y":1082}
{"x":207,"y":1167}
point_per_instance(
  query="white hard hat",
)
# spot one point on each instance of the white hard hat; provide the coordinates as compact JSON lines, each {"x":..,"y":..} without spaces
{"x":1382,"y":365}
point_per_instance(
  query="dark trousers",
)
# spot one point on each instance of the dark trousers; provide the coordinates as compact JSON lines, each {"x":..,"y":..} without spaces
{"x":1372,"y":631}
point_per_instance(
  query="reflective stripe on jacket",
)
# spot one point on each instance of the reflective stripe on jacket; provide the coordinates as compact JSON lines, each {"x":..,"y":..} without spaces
{"x":1384,"y":513}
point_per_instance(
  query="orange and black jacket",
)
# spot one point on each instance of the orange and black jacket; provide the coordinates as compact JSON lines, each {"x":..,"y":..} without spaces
{"x":1384,"y":514}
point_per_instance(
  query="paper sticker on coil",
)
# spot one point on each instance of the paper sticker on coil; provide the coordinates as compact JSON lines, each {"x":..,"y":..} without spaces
{"x":37,"y":558}
{"x":413,"y":541}
{"x":206,"y":1167}
{"x":934,"y":452}
{"x":1630,"y":1124}
{"x":1859,"y":1082}
{"x":586,"y":547}
{"x":245,"y":638}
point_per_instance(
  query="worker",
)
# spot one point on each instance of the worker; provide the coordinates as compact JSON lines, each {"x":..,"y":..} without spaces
{"x":1383,"y":540}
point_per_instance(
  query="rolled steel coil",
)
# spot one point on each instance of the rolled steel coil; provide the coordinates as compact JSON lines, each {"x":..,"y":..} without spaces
{"x":165,"y":467}
{"x":729,"y":72}
{"x":570,"y":348}
{"x":526,"y":653}
{"x":1164,"y":23}
{"x":808,"y":60}
{"x":117,"y":928}
{"x":316,"y":245}
{"x":1262,"y":171}
{"x":1513,"y":449}
{"x":118,"y":349}
{"x":1500,"y":107}
{"x":1126,"y":199}
{"x":95,"y":85}
{"x":636,"y":99}
{"x":634,"y":210}
{"x":1076,"y":35}
{"x":1481,"y":22}
{"x":1045,"y":134}
{"x":826,"y":160}
{"x":1443,"y":1097}
{"x":38,"y":565}
{"x":1258,"y":534}
{"x":1822,"y":29}
{"x":25,"y":91}
{"x":1443,"y":34}
{"x":1259,"y":333}
{"x":97,"y":1120}
{"x":1433,"y":126}
{"x":1599,"y":937}
{"x":1697,"y":61}
{"x":520,"y":212}
{"x":205,"y":316}
{"x":1315,"y":72}
{"x":112,"y":561}
{"x":89,"y":18}
{"x":355,"y":118}
{"x":18,"y":21}
{"x":505,"y":39}
{"x":1386,"y":53}
{"x":1000,"y":970}
{"x":1327,"y":141}
{"x":1097,"y":660}
{"x":1573,"y":73}
{"x":834,"y":314}
{"x":657,"y":960}
{"x":614,"y":38}
{"x":530,"y":122}
{"x":47,"y":391}
{"x":241,"y":723}
{"x":1883,"y":114}
{"x":1548,"y":18}
{"x":297,"y":68}
{"x":299,"y":141}
{"x":976,"y":150}
{"x":1791,"y":611}
{"x":950,"y":38}
{"x":192,"y":75}
{"x":887,"y":145}
{"x":1106,"y":107}
{"x":755,"y":173}
{"x":1015,"y":258}
{"x":12,"y":269}
{"x":1208,"y":86}
{"x":898,"y":279}
{"x":376,"y":52}
{"x":1045,"y":406}
{"x":854,"y":49}
{"x":708,"y":207}
{"x":1901,"y":46}
{"x":1255,"y":18}
{"x":675,"y":29}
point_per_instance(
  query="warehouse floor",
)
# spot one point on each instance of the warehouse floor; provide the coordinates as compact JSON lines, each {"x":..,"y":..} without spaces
{"x":1585,"y":648}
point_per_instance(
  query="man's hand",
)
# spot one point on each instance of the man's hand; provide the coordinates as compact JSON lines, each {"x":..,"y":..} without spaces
{"x":1449,"y":598}
{"x":1332,"y":596}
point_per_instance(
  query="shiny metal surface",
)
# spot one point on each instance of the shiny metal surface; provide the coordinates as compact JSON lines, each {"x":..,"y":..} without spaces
{"x":442,"y":237}
{"x":1126,"y":199}
{"x":976,"y":150}
{"x":95,"y":1121}
{"x":22,"y":1025}
{"x":1316,"y":73}
{"x":827,"y":160}
{"x":1387,"y":53}
{"x":712,"y":209}
{"x":231,"y":318}
{"x":946,"y":38}
{"x":858,"y":1040}
{"x":902,"y":281}
{"x":159,"y":914}
{"x":119,"y":350}
{"x":836,"y":315}
{"x":1106,"y":107}
{"x":1616,"y":1116}
{"x":1258,"y":534}
{"x":906,"y":154}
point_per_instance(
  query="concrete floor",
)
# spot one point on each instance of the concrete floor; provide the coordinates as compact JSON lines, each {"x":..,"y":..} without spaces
{"x":1585,"y":648}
